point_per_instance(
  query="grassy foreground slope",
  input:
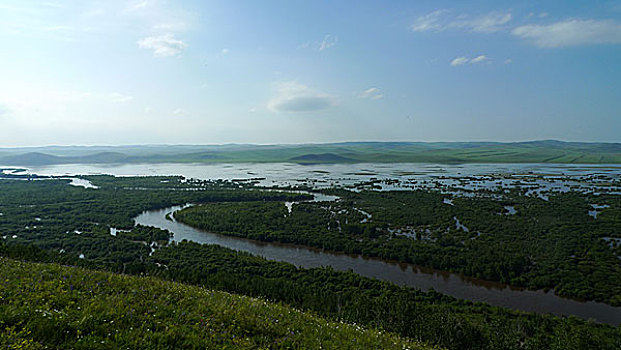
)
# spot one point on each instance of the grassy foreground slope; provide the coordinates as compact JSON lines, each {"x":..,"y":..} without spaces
{"x":53,"y":306}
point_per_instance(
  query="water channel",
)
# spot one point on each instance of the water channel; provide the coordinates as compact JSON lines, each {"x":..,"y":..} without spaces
{"x":452,"y":284}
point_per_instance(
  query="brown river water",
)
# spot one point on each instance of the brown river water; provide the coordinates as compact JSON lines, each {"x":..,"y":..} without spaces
{"x":452,"y":284}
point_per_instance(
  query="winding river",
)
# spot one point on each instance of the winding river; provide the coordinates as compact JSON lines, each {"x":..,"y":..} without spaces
{"x":452,"y":284}
{"x":551,"y":176}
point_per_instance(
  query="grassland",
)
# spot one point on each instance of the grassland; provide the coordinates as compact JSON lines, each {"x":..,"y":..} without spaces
{"x":351,"y":152}
{"x":52,"y":306}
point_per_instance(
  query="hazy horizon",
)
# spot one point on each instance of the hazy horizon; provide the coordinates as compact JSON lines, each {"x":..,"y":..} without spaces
{"x":280,"y":72}
{"x":279,"y":144}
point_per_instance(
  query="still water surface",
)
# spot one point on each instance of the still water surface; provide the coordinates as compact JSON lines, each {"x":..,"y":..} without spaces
{"x":557,"y":177}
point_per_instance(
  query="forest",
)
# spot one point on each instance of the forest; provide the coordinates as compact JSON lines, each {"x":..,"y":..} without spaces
{"x":49,"y":221}
{"x":546,"y":244}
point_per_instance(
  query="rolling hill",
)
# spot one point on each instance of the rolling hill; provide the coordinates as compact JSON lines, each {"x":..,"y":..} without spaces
{"x":547,"y":151}
{"x":58,"y":307}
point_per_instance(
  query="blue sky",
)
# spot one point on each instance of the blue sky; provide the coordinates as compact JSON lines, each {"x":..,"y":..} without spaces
{"x":210,"y":72}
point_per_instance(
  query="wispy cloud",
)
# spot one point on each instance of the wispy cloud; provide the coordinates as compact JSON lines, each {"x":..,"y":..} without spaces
{"x":488,"y":23}
{"x":430,"y":21}
{"x":163,"y":45}
{"x":328,"y":42}
{"x":119,"y":98}
{"x":571,"y":32}
{"x":458,"y":61}
{"x":179,"y":112}
{"x":294,"y":97}
{"x":371,"y":94}
{"x":136,"y":5}
{"x":478,"y":59}
{"x":441,"y":20}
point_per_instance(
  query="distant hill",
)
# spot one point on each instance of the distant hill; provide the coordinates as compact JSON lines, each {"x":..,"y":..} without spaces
{"x":38,"y":158}
{"x":545,"y":151}
{"x":31,"y":158}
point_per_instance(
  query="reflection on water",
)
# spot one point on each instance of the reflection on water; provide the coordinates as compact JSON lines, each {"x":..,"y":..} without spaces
{"x":82,"y":183}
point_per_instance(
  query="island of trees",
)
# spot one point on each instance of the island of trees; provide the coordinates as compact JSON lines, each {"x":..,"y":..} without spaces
{"x":47,"y":223}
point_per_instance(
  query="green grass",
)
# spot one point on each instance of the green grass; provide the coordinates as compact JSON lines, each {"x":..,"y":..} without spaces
{"x":53,"y":306}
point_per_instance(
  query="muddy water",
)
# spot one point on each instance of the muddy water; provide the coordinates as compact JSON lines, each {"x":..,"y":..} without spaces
{"x":403,"y":274}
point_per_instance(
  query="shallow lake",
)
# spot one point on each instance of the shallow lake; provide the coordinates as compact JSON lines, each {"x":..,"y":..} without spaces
{"x":559,"y":177}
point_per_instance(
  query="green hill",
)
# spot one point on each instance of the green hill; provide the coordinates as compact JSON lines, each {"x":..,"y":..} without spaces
{"x":52,"y":306}
{"x":547,"y":151}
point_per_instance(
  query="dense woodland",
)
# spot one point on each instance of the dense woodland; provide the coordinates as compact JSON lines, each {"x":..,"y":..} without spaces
{"x":50,"y":221}
{"x":545,"y":244}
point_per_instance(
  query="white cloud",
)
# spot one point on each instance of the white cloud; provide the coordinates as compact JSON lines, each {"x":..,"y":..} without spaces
{"x":478,"y":59}
{"x":119,"y":98}
{"x":430,"y":21}
{"x":372,"y":94}
{"x":572,"y":32}
{"x":488,"y":23}
{"x":136,"y":5}
{"x":328,"y":42}
{"x":294,"y":97}
{"x":463,"y":60}
{"x":163,"y":45}
{"x":225,"y":51}
{"x":459,"y":61}
{"x":508,"y":61}
{"x":441,"y":20}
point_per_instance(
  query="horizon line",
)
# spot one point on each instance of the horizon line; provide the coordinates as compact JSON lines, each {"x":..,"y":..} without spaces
{"x":292,"y":144}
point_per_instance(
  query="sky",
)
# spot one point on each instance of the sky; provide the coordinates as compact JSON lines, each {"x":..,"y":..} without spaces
{"x":269,"y":72}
